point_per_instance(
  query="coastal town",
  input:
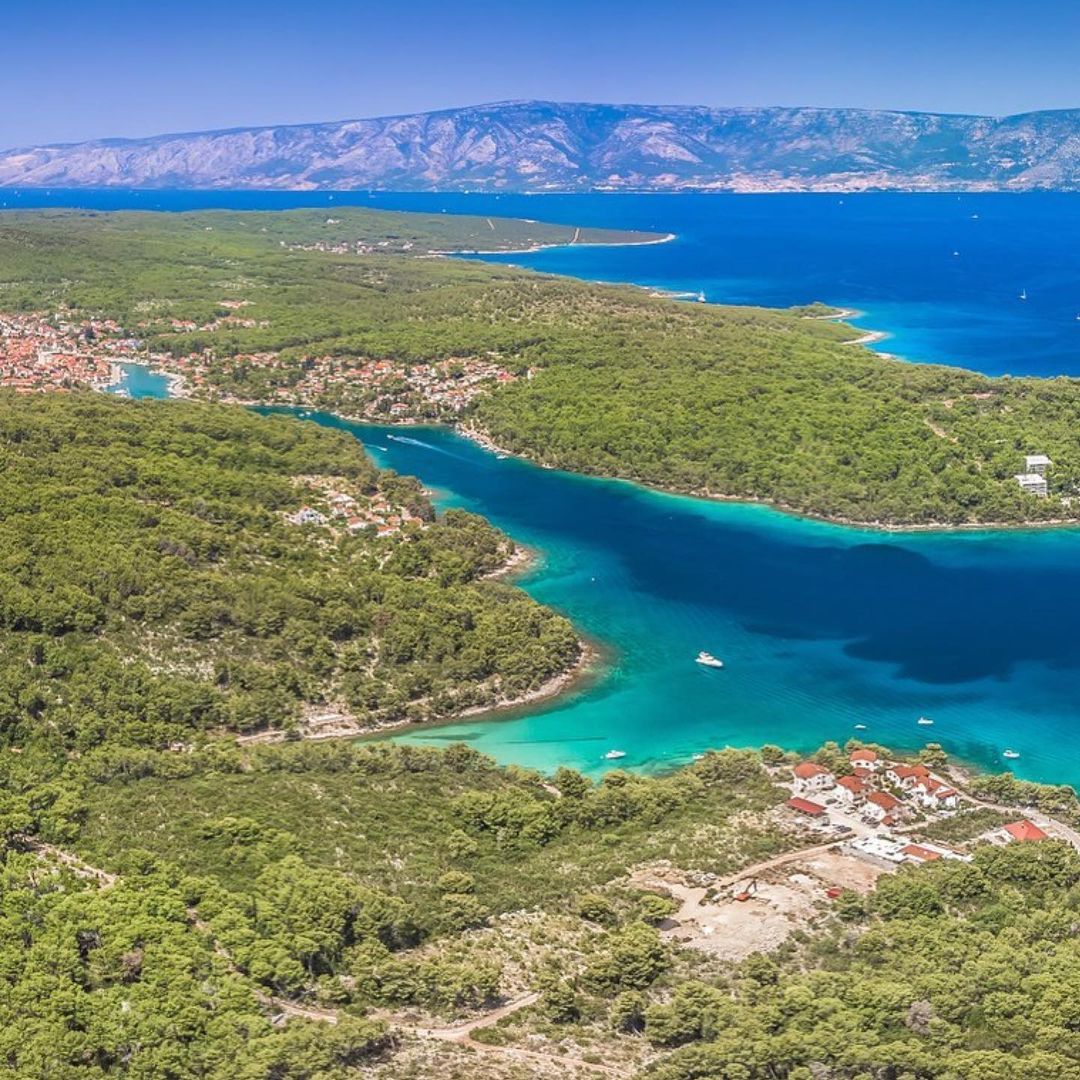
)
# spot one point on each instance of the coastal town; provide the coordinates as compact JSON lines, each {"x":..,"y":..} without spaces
{"x":41,"y":352}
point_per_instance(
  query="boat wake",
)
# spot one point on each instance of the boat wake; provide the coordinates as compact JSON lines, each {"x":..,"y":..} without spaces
{"x":410,"y":441}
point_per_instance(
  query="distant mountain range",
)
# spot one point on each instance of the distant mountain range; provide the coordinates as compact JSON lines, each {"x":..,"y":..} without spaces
{"x":546,"y":146}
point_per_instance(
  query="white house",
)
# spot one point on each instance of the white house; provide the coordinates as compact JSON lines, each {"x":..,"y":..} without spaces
{"x":1033,"y":484}
{"x":936,"y":794}
{"x":907,"y":777}
{"x":880,"y":806}
{"x":812,"y":777}
{"x":865,"y":759}
{"x":850,"y":790}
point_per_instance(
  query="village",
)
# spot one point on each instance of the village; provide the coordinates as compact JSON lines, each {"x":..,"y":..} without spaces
{"x":345,"y":513}
{"x":865,"y":817}
{"x":874,"y":805}
{"x":375,"y":389}
{"x":41,"y":352}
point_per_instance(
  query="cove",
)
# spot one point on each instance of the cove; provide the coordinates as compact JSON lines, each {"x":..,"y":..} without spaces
{"x":821,"y":627}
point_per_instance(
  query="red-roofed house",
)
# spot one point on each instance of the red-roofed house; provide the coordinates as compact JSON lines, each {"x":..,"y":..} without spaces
{"x":880,"y":805}
{"x":916,"y":853}
{"x":937,"y":794}
{"x":1024,"y":830}
{"x":810,"y":776}
{"x":850,"y":790}
{"x":865,"y":759}
{"x":805,"y":806}
{"x":907,"y":777}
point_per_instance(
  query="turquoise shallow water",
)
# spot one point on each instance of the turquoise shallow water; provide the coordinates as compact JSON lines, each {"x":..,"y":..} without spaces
{"x":820,"y":627}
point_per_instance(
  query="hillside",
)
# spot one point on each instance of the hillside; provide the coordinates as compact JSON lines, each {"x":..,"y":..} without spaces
{"x":157,"y":587}
{"x":548,"y":146}
{"x":333,"y":912}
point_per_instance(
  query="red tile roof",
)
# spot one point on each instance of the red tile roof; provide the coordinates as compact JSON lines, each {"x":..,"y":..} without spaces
{"x":1025,"y":830}
{"x":863,"y":755}
{"x":883,"y":799}
{"x":917,"y":852}
{"x":805,"y":769}
{"x":903,"y":772}
{"x":805,"y":806}
{"x":852,"y":783}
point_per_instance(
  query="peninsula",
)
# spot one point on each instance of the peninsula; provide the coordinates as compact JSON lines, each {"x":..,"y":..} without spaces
{"x":352,"y":314}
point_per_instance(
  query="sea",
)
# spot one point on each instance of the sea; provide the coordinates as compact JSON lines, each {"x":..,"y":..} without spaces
{"x":826,"y":631}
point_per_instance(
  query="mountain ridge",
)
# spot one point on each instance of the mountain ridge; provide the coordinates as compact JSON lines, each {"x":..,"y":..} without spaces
{"x":575,"y":146}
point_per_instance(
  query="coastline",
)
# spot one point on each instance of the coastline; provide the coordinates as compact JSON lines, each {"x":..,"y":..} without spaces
{"x":484,"y":440}
{"x":574,"y":242}
{"x":338,"y":724}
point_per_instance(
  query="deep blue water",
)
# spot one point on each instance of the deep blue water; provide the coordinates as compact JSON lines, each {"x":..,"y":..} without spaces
{"x":889,"y":255}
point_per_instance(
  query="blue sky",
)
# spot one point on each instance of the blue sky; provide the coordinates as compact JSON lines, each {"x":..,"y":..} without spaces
{"x":74,"y":70}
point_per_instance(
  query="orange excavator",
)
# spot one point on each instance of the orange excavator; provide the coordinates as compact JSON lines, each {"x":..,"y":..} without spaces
{"x":748,"y":892}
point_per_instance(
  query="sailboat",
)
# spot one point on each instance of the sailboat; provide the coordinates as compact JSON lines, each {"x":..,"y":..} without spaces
{"x":1023,"y":294}
{"x":701,"y":297}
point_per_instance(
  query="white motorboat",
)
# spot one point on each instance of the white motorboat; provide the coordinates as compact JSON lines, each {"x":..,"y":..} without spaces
{"x":1012,"y":755}
{"x":925,"y":721}
{"x":614,"y":755}
{"x":708,"y":660}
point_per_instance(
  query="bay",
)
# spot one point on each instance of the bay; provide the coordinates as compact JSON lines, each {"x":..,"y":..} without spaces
{"x":822,"y":628}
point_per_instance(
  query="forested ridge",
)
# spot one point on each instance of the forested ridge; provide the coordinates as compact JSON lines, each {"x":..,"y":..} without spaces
{"x":153,"y":589}
{"x":733,"y":402}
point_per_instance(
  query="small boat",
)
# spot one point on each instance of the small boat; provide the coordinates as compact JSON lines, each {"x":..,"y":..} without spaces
{"x":1023,"y":294}
{"x":1012,"y":755}
{"x":860,"y":727}
{"x":701,"y":297}
{"x":699,"y":757}
{"x":614,"y":755}
{"x":925,"y":721}
{"x":708,"y":660}
{"x":956,"y":252}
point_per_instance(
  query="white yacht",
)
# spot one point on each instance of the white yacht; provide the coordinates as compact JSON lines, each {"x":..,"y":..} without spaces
{"x":708,"y":660}
{"x":614,"y":755}
{"x":1010,"y":754}
{"x":925,"y":721}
